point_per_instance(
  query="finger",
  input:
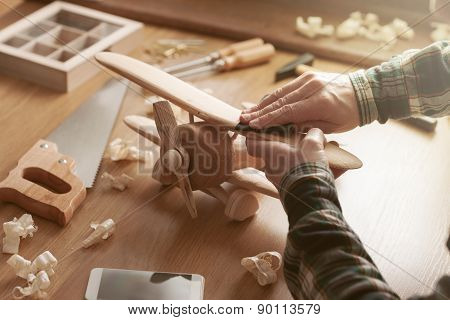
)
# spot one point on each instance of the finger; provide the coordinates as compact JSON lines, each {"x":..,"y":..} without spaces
{"x":280,"y":92}
{"x":291,"y":113}
{"x":279,"y":116}
{"x":301,"y":93}
{"x":315,"y":135}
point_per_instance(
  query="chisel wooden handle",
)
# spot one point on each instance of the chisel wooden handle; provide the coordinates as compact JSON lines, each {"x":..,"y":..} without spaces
{"x":240,"y":46}
{"x":43,"y":184}
{"x":249,"y":57}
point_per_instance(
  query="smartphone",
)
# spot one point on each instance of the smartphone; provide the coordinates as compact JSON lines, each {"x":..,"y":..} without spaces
{"x":118,"y":284}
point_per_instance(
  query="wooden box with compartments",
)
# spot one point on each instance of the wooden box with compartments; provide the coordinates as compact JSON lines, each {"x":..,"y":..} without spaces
{"x":55,"y":45}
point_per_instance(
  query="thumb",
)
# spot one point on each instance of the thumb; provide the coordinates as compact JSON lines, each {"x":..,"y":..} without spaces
{"x":316,"y":137}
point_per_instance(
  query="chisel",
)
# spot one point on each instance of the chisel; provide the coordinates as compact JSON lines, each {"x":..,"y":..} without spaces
{"x":216,"y":55}
{"x":241,"y":59}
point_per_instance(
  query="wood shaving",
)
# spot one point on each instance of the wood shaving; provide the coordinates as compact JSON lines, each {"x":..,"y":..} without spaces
{"x":164,"y":49}
{"x":37,"y":284}
{"x":368,"y":26}
{"x":174,"y":42}
{"x":21,"y":266}
{"x":119,"y":183}
{"x":124,"y":150}
{"x":101,"y":232}
{"x":263,"y":266}
{"x":402,"y":30}
{"x":44,"y":262}
{"x":37,"y":274}
{"x":15,"y":230}
{"x":313,"y":27}
{"x":441,"y":31}
{"x":350,"y":27}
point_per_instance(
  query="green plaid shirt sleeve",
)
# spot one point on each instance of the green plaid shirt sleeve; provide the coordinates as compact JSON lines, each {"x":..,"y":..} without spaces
{"x":414,"y":83}
{"x":324,"y":258}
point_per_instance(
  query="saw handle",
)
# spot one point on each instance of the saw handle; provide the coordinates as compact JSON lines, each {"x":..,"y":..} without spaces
{"x":43,"y":184}
{"x":249,"y":57}
{"x":240,"y":46}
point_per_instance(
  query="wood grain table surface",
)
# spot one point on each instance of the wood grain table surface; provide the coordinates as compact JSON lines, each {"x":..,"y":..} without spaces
{"x":398,"y":202}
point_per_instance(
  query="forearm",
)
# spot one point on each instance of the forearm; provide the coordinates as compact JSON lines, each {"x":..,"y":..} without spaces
{"x":324,"y":258}
{"x":414,"y":83}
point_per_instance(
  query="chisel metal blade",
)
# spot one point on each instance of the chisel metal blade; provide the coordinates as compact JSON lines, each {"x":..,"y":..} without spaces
{"x":85,"y":133}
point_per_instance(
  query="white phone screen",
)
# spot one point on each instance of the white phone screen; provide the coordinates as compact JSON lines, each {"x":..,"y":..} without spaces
{"x":118,"y":284}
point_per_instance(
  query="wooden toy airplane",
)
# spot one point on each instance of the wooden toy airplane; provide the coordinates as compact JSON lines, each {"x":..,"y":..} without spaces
{"x":203,"y":155}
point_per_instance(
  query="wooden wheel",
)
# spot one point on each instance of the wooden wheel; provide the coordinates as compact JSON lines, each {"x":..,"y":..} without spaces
{"x":241,"y":205}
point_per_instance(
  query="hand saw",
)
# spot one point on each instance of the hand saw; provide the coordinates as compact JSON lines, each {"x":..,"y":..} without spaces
{"x":50,"y":180}
{"x":203,"y":105}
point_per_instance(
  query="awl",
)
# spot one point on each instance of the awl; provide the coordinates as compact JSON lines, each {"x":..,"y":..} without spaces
{"x":50,"y":180}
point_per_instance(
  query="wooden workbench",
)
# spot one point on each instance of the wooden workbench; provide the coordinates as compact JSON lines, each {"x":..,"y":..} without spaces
{"x":398,"y":202}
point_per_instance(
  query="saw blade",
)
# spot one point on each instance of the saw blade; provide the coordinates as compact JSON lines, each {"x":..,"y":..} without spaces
{"x":85,"y":133}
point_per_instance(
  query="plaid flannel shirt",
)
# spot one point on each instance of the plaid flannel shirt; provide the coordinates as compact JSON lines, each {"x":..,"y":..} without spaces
{"x":414,"y":83}
{"x":324,"y":258}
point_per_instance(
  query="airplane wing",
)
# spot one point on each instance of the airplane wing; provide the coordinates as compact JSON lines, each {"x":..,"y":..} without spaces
{"x":252,"y":179}
{"x":146,"y":127}
{"x":180,"y":93}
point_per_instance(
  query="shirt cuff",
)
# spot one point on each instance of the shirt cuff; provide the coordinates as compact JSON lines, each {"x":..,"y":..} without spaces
{"x":368,"y":111}
{"x":308,"y":169}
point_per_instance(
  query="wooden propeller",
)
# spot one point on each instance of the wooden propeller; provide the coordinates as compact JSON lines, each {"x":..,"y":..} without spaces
{"x":173,"y":158}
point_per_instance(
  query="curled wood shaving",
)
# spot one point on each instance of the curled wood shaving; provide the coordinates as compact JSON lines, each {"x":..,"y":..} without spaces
{"x":401,"y":29}
{"x":119,"y":183}
{"x":124,"y":150}
{"x":263,"y":266}
{"x":313,"y":27}
{"x":101,"y":232}
{"x":16,"y":229}
{"x":37,"y":274}
{"x":441,"y":31}
{"x":368,"y":26}
{"x":350,"y":27}
{"x":164,"y":49}
{"x":37,"y":284}
{"x":21,"y":266}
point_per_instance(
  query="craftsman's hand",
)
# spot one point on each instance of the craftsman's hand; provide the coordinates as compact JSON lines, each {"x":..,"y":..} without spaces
{"x":313,"y":100}
{"x":280,"y":157}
